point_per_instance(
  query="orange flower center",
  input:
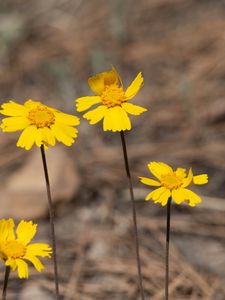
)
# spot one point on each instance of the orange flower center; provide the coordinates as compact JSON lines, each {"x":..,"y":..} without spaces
{"x":113,"y":96}
{"x":41,"y":117}
{"x":13,"y":249}
{"x":171,"y":181}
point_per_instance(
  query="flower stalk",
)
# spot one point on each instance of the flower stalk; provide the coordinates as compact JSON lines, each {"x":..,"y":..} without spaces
{"x":5,"y":285}
{"x":172,"y":184}
{"x":168,"y":213}
{"x":133,"y":213}
{"x":52,"y":226}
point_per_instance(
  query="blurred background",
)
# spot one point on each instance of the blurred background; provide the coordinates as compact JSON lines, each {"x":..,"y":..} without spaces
{"x":48,"y":49}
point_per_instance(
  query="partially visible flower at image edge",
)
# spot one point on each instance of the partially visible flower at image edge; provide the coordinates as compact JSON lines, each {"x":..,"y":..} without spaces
{"x":113,"y":99}
{"x":14,"y":249}
{"x":41,"y":124}
{"x":173,"y":184}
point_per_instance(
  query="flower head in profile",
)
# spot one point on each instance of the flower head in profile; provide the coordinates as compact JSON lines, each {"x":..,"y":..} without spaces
{"x":41,"y":124}
{"x":15,"y":249}
{"x":173,"y":184}
{"x":113,"y":99}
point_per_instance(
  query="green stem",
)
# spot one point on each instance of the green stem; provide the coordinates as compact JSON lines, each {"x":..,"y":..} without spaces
{"x":6,"y":279}
{"x":133,"y":213}
{"x":52,"y":226}
{"x":168,"y":211}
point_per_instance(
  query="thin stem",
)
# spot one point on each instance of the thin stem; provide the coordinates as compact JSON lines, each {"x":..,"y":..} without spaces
{"x":134,"y":213}
{"x":168,"y":210}
{"x":51,"y":216}
{"x":6,"y":279}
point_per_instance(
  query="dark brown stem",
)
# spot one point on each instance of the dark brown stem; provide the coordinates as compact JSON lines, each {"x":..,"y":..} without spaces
{"x":134,"y":213}
{"x":51,"y":216}
{"x":168,"y":210}
{"x":6,"y":279}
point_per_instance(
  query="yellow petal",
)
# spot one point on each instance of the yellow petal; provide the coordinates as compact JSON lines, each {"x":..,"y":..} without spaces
{"x":22,"y":268}
{"x":116,"y":119}
{"x":48,"y":136}
{"x":26,"y":231}
{"x":192,"y":198}
{"x":135,"y":86}
{"x":96,"y":83}
{"x":69,"y":131}
{"x":163,"y":199}
{"x":11,"y":263}
{"x":149,"y":181}
{"x":39,"y":137}
{"x":181,"y":172}
{"x":187,"y":181}
{"x":85,"y":103}
{"x":158,"y":169}
{"x":30,"y":104}
{"x":10,"y":228}
{"x":7,"y":230}
{"x":96,"y":115}
{"x":178,"y":196}
{"x":13,"y":109}
{"x":111,"y":77}
{"x":154,"y":195}
{"x":187,"y":195}
{"x":133,"y":109}
{"x":39,"y":249}
{"x":67,"y":119}
{"x":27,"y":137}
{"x":36,"y":262}
{"x":14,"y":123}
{"x":200,"y":179}
{"x":3,"y":230}
{"x":61,"y":135}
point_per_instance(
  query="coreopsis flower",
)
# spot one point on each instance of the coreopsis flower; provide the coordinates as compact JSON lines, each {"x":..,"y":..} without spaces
{"x":173,"y":184}
{"x":41,"y":124}
{"x":15,"y":249}
{"x":113,"y":99}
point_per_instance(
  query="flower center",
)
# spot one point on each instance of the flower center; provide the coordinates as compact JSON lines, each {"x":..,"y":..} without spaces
{"x":171,"y":181}
{"x":41,"y":117}
{"x":12,"y":249}
{"x":113,"y":96}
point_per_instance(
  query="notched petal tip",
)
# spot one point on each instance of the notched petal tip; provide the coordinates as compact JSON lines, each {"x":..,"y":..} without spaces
{"x":200,"y":179}
{"x":86,"y":102}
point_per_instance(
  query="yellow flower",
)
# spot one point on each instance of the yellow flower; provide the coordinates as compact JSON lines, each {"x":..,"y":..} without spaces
{"x":113,"y":99}
{"x":172,"y":184}
{"x":14,"y":250}
{"x":40,"y":124}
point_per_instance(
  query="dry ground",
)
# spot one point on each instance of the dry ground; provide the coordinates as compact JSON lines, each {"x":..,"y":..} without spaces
{"x":48,"y":50}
